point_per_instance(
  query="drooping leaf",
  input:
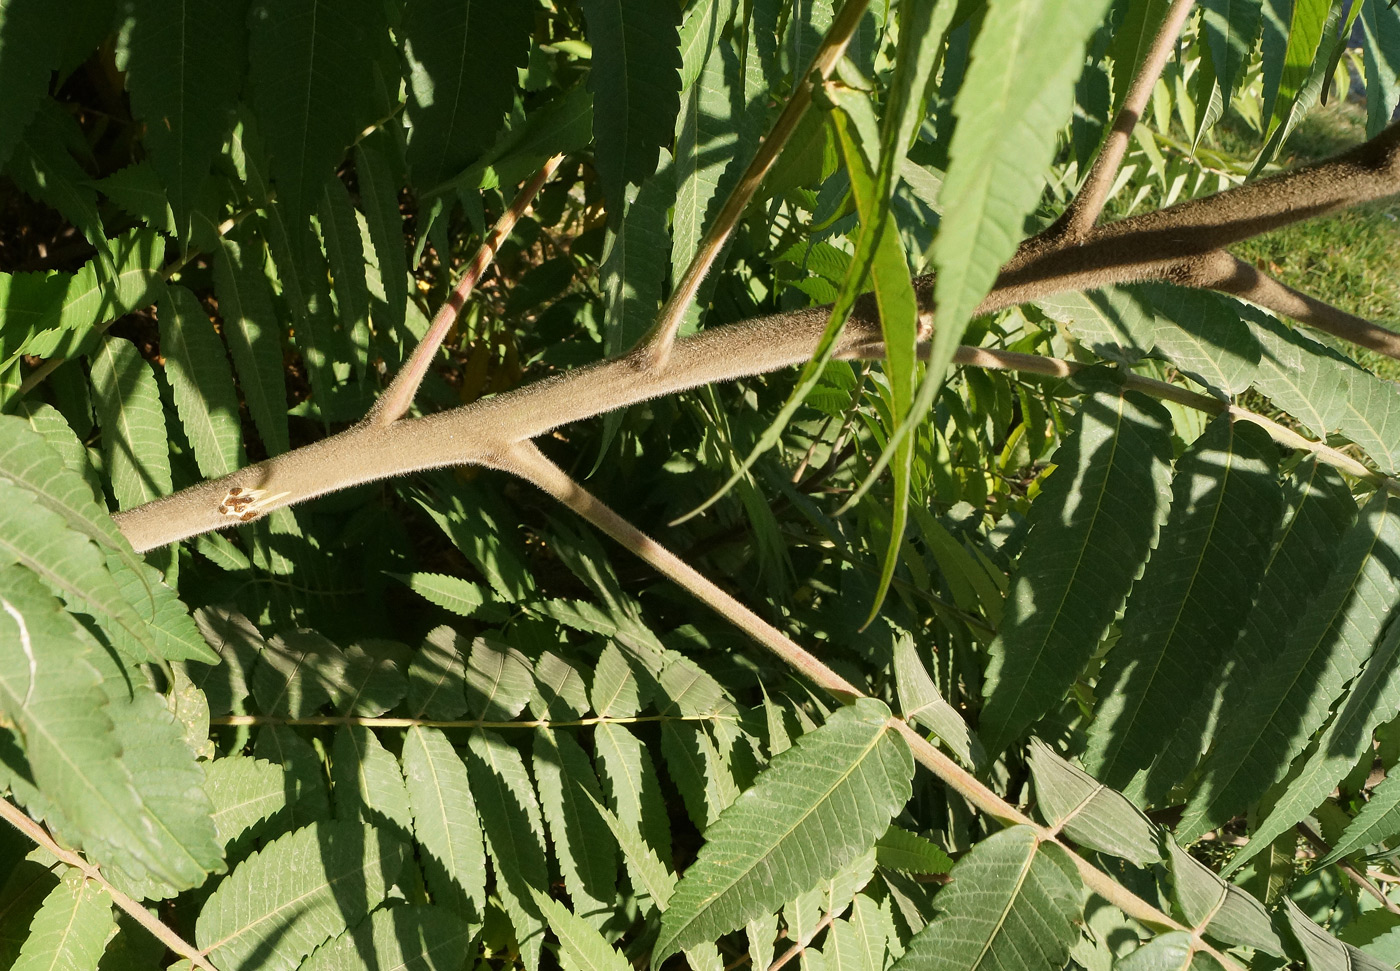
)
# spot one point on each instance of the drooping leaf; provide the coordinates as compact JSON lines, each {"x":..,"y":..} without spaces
{"x":816,"y":807}
{"x":635,"y":83}
{"x":1091,"y":529}
{"x":254,"y":339}
{"x":510,"y":819}
{"x":1090,"y":813}
{"x":1324,"y":952}
{"x":461,"y":76}
{"x":1013,"y":102}
{"x":1226,"y":912}
{"x":379,"y":198}
{"x":701,"y":773}
{"x":1012,"y":903}
{"x":921,"y":701}
{"x":405,"y":938}
{"x":51,"y":689}
{"x":70,"y":929}
{"x":1172,"y":951}
{"x":314,"y":88}
{"x":1133,"y":42}
{"x":197,"y":367}
{"x":345,"y":253}
{"x":634,"y":264}
{"x":184,"y":72}
{"x":296,"y":892}
{"x":1305,"y":31}
{"x":1180,"y":620}
{"x":1321,"y":653}
{"x":445,"y":822}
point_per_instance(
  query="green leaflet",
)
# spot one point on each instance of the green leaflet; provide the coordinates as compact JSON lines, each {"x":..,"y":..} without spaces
{"x":43,"y":167}
{"x":510,"y":818}
{"x":1304,"y":35}
{"x":900,"y":849}
{"x":1378,"y":820}
{"x":22,"y":893}
{"x":635,"y":86}
{"x":1013,"y":903}
{"x":1091,"y":814}
{"x":1116,"y":323}
{"x":134,"y":442}
{"x":615,"y":691}
{"x":367,"y":783}
{"x":1133,"y":41}
{"x":297,"y":891}
{"x":295,"y":673}
{"x":460,"y":596}
{"x":404,"y":938}
{"x":1370,"y":700}
{"x":461,"y":60}
{"x":304,"y":776}
{"x":29,"y":50}
{"x":1015,"y":99}
{"x":1205,"y":335}
{"x":1167,"y":952}
{"x":1320,"y":510}
{"x":445,"y":822}
{"x":184,"y":72}
{"x":1291,"y":697}
{"x":634,"y":264}
{"x":1324,"y":952}
{"x":1191,"y":603}
{"x":859,"y":942}
{"x":245,"y":792}
{"x":345,"y":252}
{"x":379,"y":198}
{"x":64,"y":313}
{"x":920,"y":701}
{"x":1226,"y":912}
{"x":559,"y":693}
{"x":36,"y":537}
{"x":703,"y":776}
{"x":1080,"y":558}
{"x":254,"y":339}
{"x":437,"y":676}
{"x":628,"y":776}
{"x":814,"y":809}
{"x":498,"y":680}
{"x":649,"y":876}
{"x":313,"y":88}
{"x":74,"y":732}
{"x":1382,"y":52}
{"x":70,"y":929}
{"x":196,"y":366}
{"x":581,"y":948}
{"x":1232,"y":28}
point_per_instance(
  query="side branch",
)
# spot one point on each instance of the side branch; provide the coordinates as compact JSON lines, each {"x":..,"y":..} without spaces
{"x":1084,"y":211}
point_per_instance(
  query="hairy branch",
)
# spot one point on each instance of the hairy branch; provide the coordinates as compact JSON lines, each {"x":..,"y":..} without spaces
{"x":397,"y":398}
{"x":658,"y":342}
{"x":130,"y":907}
{"x":1180,"y":244}
{"x":1084,"y":211}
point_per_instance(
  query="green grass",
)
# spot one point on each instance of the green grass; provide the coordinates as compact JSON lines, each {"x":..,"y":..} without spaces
{"x":1350,"y":259}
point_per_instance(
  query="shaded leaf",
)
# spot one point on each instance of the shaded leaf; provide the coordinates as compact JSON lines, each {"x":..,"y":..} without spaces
{"x":70,"y":929}
{"x":445,"y":822}
{"x":245,"y":791}
{"x":134,"y":440}
{"x":437,"y":676}
{"x":402,"y":938}
{"x":1089,"y":812}
{"x":202,"y":383}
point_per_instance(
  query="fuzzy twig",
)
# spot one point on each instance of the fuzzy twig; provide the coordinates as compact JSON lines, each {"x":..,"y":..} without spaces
{"x":661,"y":338}
{"x":1084,"y":210}
{"x":397,"y":398}
{"x":130,"y":907}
